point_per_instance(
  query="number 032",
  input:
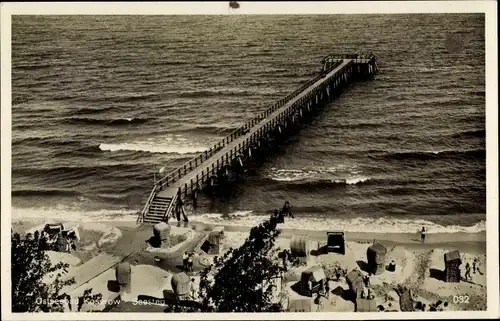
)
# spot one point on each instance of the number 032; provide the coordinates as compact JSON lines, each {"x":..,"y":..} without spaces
{"x":460,"y":299}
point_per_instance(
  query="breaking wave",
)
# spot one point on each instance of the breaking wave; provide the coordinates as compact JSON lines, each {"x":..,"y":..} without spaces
{"x":106,"y":122}
{"x":369,"y":225}
{"x":428,"y":155}
{"x":60,"y":212}
{"x":152,"y":148}
{"x":343,"y":175}
{"x":249,"y":219}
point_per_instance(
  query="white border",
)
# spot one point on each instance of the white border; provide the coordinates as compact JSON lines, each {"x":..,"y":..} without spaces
{"x":221,"y":8}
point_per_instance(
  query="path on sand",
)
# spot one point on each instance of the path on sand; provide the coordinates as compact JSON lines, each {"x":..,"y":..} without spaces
{"x":132,"y":247}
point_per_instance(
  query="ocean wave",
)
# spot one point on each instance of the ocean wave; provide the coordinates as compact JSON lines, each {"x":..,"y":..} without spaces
{"x":342,"y":175}
{"x":429,"y":155}
{"x":106,"y":122}
{"x":471,"y":133}
{"x":369,"y":225}
{"x":233,"y":92}
{"x":48,"y":192}
{"x":74,"y":214}
{"x":80,"y":172}
{"x":248,"y":218}
{"x":152,"y":148}
{"x":213,"y":129}
{"x":91,"y":111}
{"x":356,"y":180}
{"x":45,"y":141}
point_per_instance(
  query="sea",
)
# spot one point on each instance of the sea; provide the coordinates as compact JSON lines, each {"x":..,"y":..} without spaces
{"x":101,"y":103}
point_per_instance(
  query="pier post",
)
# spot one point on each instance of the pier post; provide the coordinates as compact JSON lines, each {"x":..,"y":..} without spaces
{"x":195,"y":197}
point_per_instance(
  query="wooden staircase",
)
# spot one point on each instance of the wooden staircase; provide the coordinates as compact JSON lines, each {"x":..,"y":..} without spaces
{"x":158,"y":209}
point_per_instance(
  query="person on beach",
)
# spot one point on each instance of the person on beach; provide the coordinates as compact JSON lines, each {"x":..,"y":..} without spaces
{"x":68,"y":244}
{"x":185,"y":257}
{"x":286,"y":209}
{"x":337,"y":274}
{"x":327,"y":287}
{"x":467,"y":272}
{"x":474,"y":263}
{"x":319,"y":302}
{"x":285,"y":258}
{"x":364,"y":293}
{"x":367,"y":279}
{"x":190,"y":262}
{"x":422,"y":234}
{"x":192,"y":289}
{"x":370,"y":294}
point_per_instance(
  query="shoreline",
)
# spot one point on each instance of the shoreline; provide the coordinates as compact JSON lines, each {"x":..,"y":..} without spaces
{"x":469,"y":242}
{"x":418,"y":264}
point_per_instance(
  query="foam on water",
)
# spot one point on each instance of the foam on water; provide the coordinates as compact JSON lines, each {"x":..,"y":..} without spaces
{"x":170,"y":144}
{"x":248,"y":218}
{"x":148,"y":147}
{"x":66,"y":213}
{"x":355,"y":180}
{"x":378,"y":225}
{"x":334,"y":174}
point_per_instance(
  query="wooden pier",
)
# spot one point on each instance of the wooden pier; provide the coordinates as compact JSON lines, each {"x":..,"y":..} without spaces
{"x":169,"y":193}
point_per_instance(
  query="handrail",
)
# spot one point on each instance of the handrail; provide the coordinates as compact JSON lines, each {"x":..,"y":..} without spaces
{"x":172,"y":202}
{"x":175,"y":175}
{"x":142,"y":214}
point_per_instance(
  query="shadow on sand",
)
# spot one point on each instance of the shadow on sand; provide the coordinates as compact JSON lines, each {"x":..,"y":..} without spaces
{"x":297,"y":288}
{"x":321,"y":251}
{"x":346,"y":295}
{"x":437,"y":274}
{"x":363,"y":266}
{"x":113,"y":286}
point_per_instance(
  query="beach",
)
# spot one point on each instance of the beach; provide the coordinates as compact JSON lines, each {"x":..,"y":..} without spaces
{"x":415,"y":261}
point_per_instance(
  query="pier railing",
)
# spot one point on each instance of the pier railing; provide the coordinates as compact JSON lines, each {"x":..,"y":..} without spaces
{"x":190,"y":165}
{"x":193,"y":163}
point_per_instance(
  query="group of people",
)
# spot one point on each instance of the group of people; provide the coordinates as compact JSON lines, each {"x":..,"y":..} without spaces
{"x":50,"y":242}
{"x":322,"y":291}
{"x":339,"y":272}
{"x":187,"y":261}
{"x":475,"y":268}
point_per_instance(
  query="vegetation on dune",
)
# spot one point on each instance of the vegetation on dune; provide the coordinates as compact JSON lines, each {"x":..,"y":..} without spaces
{"x":36,"y":282}
{"x":241,"y":279}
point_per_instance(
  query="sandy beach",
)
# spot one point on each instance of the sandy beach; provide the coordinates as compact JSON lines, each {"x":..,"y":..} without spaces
{"x":419,"y":265}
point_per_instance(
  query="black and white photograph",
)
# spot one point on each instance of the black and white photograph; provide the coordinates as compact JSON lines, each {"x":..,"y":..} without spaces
{"x":341,"y":160}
